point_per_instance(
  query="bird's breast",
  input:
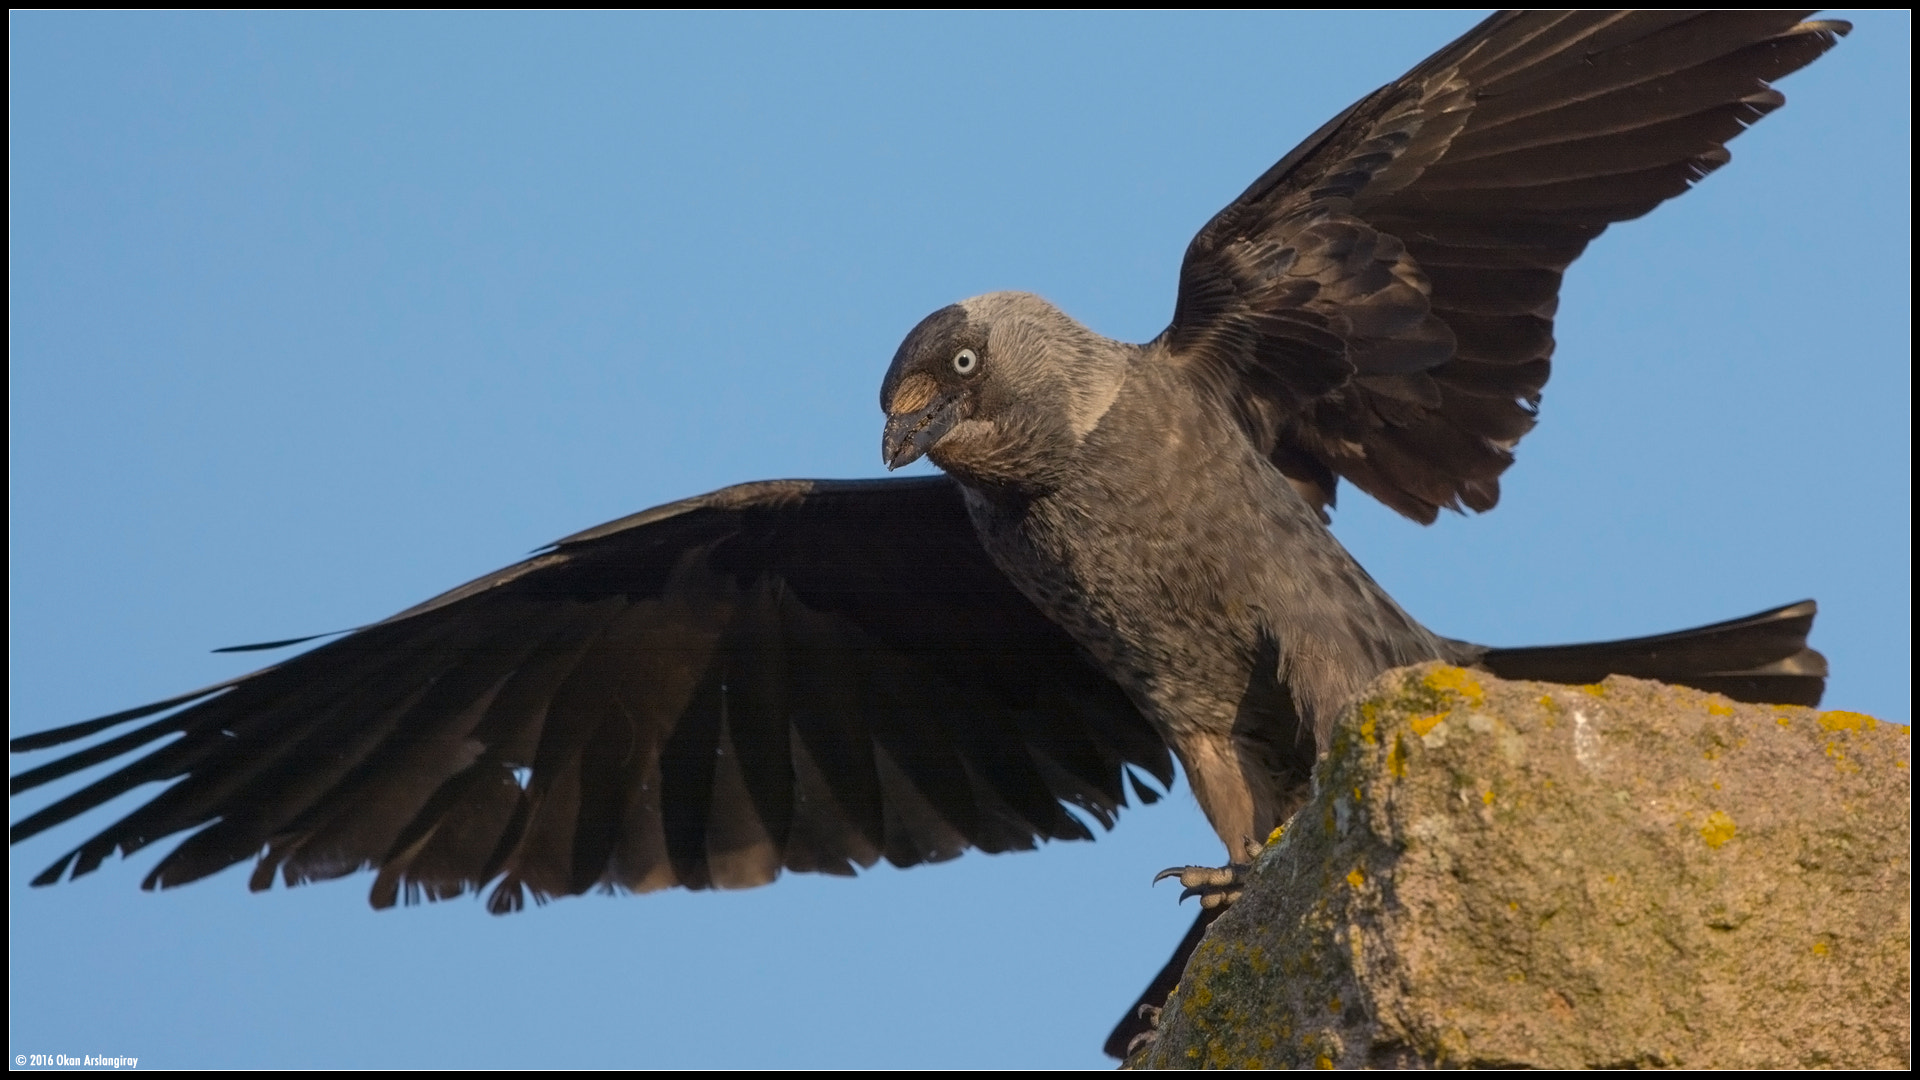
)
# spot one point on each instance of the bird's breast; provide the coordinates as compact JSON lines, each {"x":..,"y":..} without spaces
{"x":1148,"y":559}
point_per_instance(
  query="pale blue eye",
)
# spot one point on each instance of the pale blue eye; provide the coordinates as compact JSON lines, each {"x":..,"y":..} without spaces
{"x":965,"y":361}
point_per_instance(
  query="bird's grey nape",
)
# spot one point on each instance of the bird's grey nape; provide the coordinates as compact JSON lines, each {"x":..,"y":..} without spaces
{"x":1000,"y":390}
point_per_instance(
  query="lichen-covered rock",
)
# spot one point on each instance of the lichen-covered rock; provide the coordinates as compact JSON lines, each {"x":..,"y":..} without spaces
{"x":1524,"y":874}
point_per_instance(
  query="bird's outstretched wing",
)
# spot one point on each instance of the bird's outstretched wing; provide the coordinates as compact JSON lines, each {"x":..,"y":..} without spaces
{"x":1379,"y":305}
{"x":801,"y":675}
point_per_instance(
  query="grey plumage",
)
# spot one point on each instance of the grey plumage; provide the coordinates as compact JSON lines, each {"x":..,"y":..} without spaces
{"x":1131,"y":556}
{"x":1086,"y":499}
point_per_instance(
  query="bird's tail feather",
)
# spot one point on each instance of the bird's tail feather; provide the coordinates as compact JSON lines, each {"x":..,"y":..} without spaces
{"x":1762,"y":658}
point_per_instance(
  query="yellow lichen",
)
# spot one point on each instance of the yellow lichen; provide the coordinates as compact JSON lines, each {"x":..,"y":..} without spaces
{"x":1323,"y":1062}
{"x":1718,"y":830}
{"x":1717,"y":707}
{"x":1457,"y":681}
{"x":1837,"y":720}
{"x":1423,"y":724}
{"x":1397,"y":759}
{"x":1840,"y":760}
{"x":1274,"y":836}
{"x":1369,"y":722}
{"x":1486,"y":797}
{"x":1595,"y":689}
{"x":1821,"y":948}
{"x":1355,"y":878}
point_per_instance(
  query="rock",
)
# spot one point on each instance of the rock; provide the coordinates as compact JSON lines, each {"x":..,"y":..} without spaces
{"x":1516,"y":874}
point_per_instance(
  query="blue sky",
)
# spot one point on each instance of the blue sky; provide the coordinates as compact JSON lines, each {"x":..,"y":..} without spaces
{"x":313,"y":316}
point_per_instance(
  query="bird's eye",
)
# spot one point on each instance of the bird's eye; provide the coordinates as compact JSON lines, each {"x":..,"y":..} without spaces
{"x":965,"y":361}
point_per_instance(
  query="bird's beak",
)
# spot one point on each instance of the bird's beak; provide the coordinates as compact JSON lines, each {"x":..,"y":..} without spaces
{"x":909,"y":436}
{"x":920,"y":414}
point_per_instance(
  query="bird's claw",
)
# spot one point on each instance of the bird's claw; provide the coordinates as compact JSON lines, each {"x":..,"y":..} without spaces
{"x":1216,"y":886}
{"x":1151,"y":1014}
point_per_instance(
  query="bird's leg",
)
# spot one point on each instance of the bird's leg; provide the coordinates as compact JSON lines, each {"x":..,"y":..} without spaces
{"x":1216,"y":886}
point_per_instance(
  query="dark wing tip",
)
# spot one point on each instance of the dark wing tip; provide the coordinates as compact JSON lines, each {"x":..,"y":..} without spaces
{"x":52,"y":874}
{"x":263,"y":646}
{"x":40,"y":740}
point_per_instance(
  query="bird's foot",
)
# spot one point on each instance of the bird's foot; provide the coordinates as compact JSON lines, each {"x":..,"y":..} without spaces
{"x":1216,"y":886}
{"x":1151,"y":1014}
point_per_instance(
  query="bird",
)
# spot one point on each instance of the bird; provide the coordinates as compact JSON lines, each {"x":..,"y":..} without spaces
{"x":976,"y":663}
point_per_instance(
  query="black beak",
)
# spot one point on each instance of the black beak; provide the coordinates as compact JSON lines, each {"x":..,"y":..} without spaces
{"x":908,"y":436}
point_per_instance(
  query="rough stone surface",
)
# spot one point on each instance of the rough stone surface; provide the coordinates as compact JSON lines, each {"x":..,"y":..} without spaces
{"x":1525,"y":874}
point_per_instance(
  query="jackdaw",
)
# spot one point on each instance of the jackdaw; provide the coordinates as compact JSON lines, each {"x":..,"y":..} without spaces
{"x":1127,"y":562}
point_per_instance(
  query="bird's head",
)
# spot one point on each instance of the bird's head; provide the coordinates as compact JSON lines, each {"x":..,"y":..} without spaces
{"x":1000,"y":390}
